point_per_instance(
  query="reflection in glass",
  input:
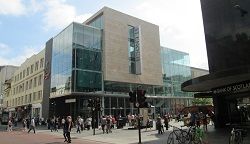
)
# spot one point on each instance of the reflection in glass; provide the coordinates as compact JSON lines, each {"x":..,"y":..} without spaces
{"x":176,"y":70}
{"x":76,"y":60}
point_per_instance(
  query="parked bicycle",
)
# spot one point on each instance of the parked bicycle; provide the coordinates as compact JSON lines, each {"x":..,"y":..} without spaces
{"x":177,"y":135}
{"x":236,"y":136}
{"x":194,"y":135}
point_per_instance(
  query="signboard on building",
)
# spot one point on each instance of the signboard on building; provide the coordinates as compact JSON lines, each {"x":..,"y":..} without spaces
{"x":70,"y":100}
{"x":137,"y":35}
{"x":235,"y":88}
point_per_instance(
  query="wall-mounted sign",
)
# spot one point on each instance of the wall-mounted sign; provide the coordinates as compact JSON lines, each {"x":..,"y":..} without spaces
{"x":137,"y":34}
{"x":70,"y":100}
{"x":240,"y":87}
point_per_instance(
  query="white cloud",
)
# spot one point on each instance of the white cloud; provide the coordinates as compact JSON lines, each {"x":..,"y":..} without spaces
{"x":19,"y":7}
{"x":35,"y":6}
{"x":4,"y":49}
{"x":12,"y":7}
{"x":82,"y":18}
{"x":181,"y":26}
{"x":60,"y":14}
{"x":27,"y":52}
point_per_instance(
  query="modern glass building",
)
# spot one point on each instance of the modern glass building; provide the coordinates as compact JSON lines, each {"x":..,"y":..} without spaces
{"x":176,"y":70}
{"x":76,"y":60}
{"x":110,"y":55}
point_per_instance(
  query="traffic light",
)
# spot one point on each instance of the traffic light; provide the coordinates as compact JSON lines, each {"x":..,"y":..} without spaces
{"x":141,"y":98}
{"x":90,"y":103}
{"x":132,"y":97}
{"x":98,"y":104}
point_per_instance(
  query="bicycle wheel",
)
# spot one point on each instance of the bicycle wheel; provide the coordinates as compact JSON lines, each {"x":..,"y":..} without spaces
{"x":170,"y":138}
{"x":183,"y":138}
{"x":238,"y":138}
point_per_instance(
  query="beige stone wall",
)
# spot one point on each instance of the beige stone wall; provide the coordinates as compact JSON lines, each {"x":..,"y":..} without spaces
{"x":116,"y":60}
{"x":19,"y":92}
{"x":197,"y":72}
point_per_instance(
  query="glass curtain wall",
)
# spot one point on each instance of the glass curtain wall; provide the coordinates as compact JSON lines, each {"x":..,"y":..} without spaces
{"x":176,"y":70}
{"x":97,"y":22}
{"x":87,"y":58}
{"x":76,"y":60}
{"x":61,"y":68}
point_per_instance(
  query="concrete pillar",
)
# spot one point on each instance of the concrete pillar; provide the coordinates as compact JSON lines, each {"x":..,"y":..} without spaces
{"x":221,"y":111}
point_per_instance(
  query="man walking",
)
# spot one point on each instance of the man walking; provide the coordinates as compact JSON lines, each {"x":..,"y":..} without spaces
{"x":67,"y":129}
{"x":32,"y":125}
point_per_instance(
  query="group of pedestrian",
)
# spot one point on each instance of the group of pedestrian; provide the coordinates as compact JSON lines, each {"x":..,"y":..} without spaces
{"x":162,"y":122}
{"x":107,"y":122}
{"x":198,"y":118}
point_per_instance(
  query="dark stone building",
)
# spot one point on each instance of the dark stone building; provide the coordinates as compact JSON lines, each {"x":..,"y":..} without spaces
{"x":227,"y":29}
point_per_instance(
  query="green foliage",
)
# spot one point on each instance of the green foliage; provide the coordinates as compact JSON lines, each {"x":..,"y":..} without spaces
{"x":202,"y":101}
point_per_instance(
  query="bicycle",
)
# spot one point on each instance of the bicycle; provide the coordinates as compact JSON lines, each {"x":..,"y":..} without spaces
{"x":176,"y":135}
{"x":194,"y":135}
{"x":236,"y":136}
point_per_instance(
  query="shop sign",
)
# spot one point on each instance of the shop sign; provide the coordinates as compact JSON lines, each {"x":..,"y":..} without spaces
{"x":233,"y":88}
{"x":70,"y":100}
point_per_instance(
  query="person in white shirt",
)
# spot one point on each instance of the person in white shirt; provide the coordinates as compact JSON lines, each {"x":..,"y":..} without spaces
{"x":10,"y":124}
{"x":32,"y":125}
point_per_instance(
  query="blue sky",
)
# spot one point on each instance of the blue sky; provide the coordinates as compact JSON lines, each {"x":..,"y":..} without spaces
{"x":26,"y":25}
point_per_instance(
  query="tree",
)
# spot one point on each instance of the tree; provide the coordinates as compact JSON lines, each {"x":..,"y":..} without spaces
{"x":202,"y":101}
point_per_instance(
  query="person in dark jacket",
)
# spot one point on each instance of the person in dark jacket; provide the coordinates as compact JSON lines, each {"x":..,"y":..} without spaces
{"x":159,"y":125}
{"x":67,"y":129}
{"x":166,"y":121}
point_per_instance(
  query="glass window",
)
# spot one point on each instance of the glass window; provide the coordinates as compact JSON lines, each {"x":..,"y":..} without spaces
{"x":35,"y":81}
{"x":106,"y":102}
{"x":40,"y":80}
{"x":23,"y":73}
{"x":61,"y":68}
{"x":25,"y":99}
{"x":176,"y":70}
{"x":28,"y":70}
{"x":36,"y":65}
{"x":97,"y":39}
{"x":88,"y":37}
{"x":114,"y":102}
{"x":121,"y":102}
{"x":41,"y":62}
{"x":87,"y":59}
{"x":88,"y":81}
{"x":27,"y":84}
{"x":30,"y":84}
{"x":30,"y":98}
{"x":31,"y":68}
{"x":34,"y":96}
{"x":97,"y":22}
{"x":131,"y":50}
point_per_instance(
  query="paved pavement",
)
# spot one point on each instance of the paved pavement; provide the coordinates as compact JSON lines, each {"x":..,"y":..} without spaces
{"x":120,"y":136}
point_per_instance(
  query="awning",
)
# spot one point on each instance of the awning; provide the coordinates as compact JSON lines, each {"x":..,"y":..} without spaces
{"x":214,"y":80}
